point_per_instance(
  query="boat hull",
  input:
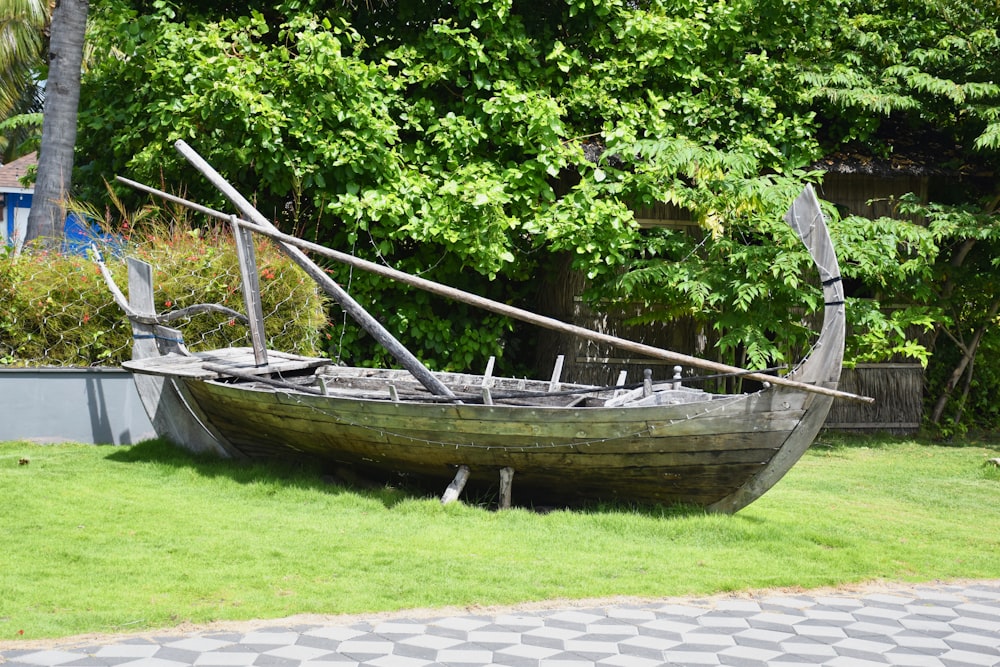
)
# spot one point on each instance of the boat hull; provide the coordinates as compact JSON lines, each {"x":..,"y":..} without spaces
{"x":694,"y":453}
{"x":663,"y":445}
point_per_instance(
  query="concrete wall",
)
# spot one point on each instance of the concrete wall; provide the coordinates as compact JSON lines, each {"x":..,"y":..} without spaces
{"x":88,"y":405}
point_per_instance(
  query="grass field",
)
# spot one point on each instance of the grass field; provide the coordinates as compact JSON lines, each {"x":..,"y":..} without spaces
{"x":112,"y":539}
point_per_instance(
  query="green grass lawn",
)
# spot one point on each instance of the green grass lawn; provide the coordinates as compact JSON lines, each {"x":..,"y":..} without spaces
{"x":111,"y":539}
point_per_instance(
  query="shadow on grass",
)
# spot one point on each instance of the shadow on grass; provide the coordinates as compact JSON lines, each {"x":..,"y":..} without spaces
{"x":318,"y":476}
{"x":325,"y":478}
{"x":300,"y":474}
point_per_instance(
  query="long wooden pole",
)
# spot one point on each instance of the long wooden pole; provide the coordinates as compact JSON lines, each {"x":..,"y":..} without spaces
{"x":350,"y":306}
{"x":502,"y":308}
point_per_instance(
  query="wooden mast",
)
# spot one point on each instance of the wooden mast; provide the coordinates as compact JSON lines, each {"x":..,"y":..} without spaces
{"x":350,"y":306}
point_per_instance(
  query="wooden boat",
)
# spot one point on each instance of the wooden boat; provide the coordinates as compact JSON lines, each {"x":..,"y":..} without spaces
{"x":659,"y":442}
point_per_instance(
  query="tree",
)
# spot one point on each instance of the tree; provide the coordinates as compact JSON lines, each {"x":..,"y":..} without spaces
{"x":22,"y":27}
{"x":444,"y":139}
{"x":62,"y":96}
{"x":22,"y":23}
{"x":472,"y":141}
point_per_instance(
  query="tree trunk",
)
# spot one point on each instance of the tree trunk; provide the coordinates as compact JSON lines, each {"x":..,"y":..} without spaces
{"x":62,"y":97}
{"x":968,"y":356}
{"x":966,"y":388}
{"x":968,"y":352}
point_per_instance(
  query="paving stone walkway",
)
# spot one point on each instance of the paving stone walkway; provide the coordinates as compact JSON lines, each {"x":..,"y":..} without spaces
{"x":941,"y":625}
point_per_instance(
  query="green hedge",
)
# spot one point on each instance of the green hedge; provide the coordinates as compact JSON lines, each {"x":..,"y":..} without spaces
{"x":56,"y":310}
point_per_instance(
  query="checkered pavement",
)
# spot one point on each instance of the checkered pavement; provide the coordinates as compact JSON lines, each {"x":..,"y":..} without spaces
{"x":941,"y":625}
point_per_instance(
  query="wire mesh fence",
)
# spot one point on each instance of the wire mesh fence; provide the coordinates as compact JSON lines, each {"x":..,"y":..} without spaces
{"x":57,"y":310}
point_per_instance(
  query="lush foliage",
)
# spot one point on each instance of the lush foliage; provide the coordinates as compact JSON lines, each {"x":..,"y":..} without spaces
{"x":930,"y":64}
{"x":471,"y":142}
{"x":58,"y":310}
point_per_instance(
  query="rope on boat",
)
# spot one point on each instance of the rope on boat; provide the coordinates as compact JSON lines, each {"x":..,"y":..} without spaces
{"x":164,"y":318}
{"x":263,"y":379}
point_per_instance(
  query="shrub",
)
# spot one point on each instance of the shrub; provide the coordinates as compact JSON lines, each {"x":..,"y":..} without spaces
{"x":58,"y":311}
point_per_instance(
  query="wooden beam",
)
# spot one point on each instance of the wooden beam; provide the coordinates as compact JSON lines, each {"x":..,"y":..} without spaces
{"x":350,"y":306}
{"x":247,"y":255}
{"x":506,"y":485}
{"x":454,"y":489}
{"x":556,"y":373}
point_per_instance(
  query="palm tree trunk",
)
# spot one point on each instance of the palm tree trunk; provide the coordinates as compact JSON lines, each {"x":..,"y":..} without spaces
{"x":62,"y":97}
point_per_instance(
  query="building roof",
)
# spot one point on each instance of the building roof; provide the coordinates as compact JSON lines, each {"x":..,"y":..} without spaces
{"x":12,"y":172}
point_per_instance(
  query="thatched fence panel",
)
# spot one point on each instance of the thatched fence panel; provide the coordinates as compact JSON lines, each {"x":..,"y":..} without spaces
{"x":898,"y":393}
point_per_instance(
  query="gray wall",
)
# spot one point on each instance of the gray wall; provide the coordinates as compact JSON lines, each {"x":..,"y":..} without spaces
{"x":88,"y":405}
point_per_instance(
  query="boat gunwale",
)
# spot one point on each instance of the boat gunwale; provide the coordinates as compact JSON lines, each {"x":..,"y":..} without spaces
{"x":772,"y":400}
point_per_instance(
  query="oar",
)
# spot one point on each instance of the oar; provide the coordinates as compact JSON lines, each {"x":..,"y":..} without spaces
{"x":501,"y":308}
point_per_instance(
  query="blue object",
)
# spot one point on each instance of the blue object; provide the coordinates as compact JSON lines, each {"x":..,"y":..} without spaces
{"x":80,"y":233}
{"x":13,"y":202}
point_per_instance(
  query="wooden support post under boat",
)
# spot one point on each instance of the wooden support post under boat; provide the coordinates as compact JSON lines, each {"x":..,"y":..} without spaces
{"x":350,"y":306}
{"x":454,"y":489}
{"x":506,"y":485}
{"x":502,"y":308}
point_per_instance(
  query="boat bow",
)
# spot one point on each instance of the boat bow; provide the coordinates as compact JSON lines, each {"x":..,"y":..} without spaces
{"x":822,"y":366}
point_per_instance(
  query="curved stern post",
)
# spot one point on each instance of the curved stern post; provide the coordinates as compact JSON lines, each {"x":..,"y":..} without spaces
{"x":821,"y":368}
{"x":167,"y":410}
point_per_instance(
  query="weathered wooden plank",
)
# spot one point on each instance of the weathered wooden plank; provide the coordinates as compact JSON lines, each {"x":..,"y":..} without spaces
{"x":250,"y":282}
{"x":521,"y":428}
{"x":313,"y":431}
{"x":736,"y":407}
{"x":770,"y":421}
{"x":429,"y":445}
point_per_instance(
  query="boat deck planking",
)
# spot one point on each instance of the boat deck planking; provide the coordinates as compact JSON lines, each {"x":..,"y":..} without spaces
{"x":238,"y":358}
